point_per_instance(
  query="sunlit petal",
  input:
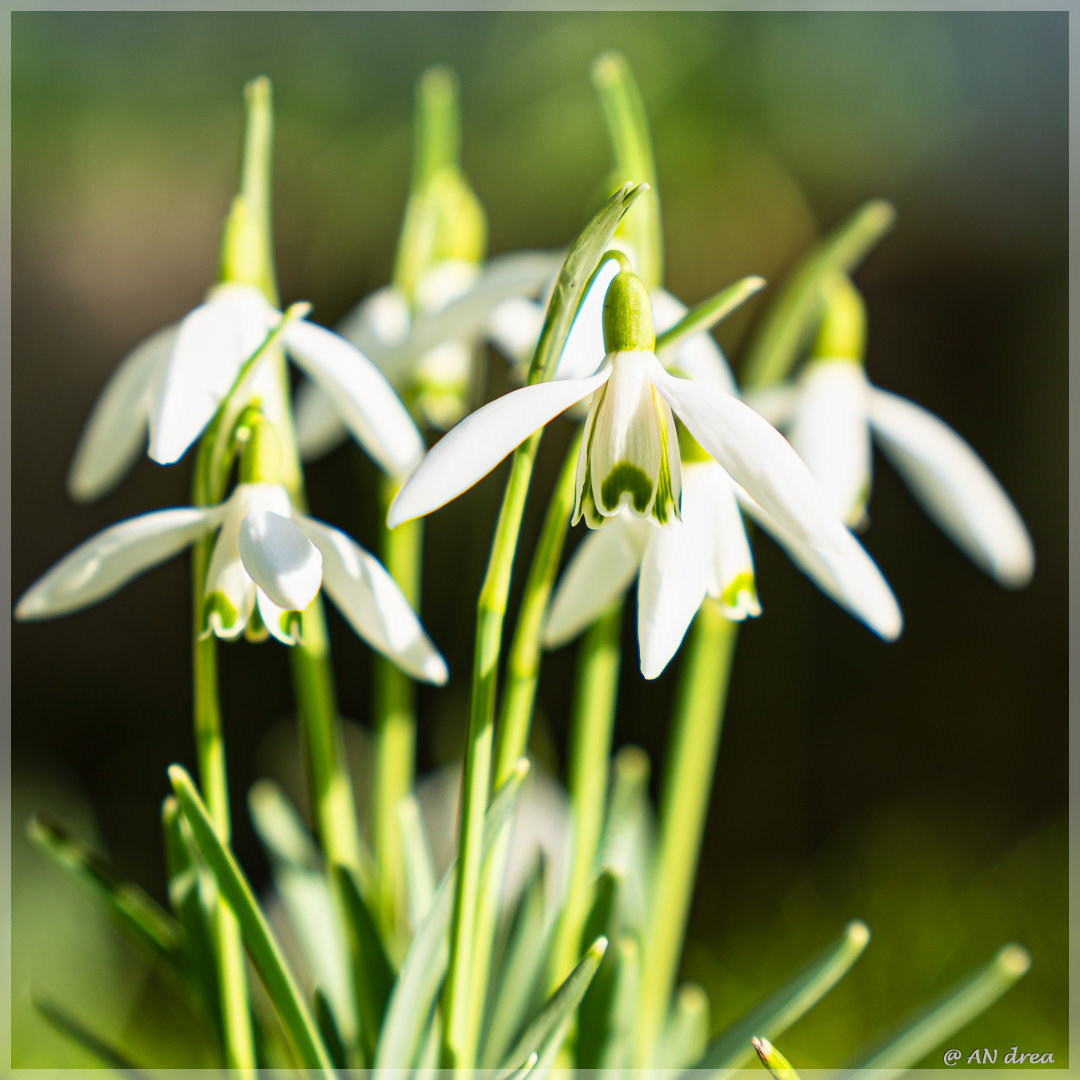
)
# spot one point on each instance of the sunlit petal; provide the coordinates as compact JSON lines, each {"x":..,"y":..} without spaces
{"x":584,"y":349}
{"x":955,"y":488}
{"x":282,"y":623}
{"x":280,"y":558}
{"x":116,"y":431}
{"x":318,"y":426}
{"x":709,"y":490}
{"x":374,"y":606}
{"x":109,"y":560}
{"x":211,"y":345}
{"x":601,"y":569}
{"x":757,"y":457}
{"x":364,"y":399}
{"x":472,"y":449}
{"x":831,"y":434}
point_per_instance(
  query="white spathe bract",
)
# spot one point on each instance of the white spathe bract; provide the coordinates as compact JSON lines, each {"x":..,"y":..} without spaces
{"x":430,"y":357}
{"x":266,"y":556}
{"x":175,"y":381}
{"x":706,"y":553}
{"x":832,"y":415}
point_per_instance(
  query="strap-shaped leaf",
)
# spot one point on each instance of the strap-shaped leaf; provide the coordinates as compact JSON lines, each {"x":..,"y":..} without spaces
{"x":941,"y":1020}
{"x":417,"y":859}
{"x":546,"y":1033}
{"x":260,"y":942}
{"x":303,"y":886}
{"x":577,"y":268}
{"x":686,"y":1036}
{"x":792,"y":318}
{"x":74,"y":1029}
{"x":324,"y":1017}
{"x":136,"y":912}
{"x":413,"y":999}
{"x":781,"y":1009}
{"x":608,"y":1018}
{"x":518,"y":984}
{"x":709,"y":312}
{"x":373,"y":974}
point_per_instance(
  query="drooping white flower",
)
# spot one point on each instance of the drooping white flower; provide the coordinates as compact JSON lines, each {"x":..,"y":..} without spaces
{"x":629,"y":453}
{"x":705,"y":554}
{"x":266,"y":557}
{"x":429,"y":355}
{"x":174,"y":382}
{"x":831,"y":413}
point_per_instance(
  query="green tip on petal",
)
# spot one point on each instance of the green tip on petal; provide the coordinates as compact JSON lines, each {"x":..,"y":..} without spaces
{"x":628,"y":322}
{"x":220,"y":614}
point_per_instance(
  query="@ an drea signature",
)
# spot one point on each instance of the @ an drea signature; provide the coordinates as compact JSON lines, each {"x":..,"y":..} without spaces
{"x":989,"y":1056}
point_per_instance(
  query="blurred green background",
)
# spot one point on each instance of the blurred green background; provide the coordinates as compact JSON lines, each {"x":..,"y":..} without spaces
{"x":921,"y":786}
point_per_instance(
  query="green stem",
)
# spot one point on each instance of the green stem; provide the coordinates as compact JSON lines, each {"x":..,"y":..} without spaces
{"x":462,"y":1015}
{"x":395,"y":721}
{"x":228,"y":947}
{"x":684,"y":802}
{"x":592,"y":724}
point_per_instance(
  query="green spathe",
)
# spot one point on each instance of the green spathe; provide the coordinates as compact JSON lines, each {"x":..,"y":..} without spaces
{"x":628,"y":322}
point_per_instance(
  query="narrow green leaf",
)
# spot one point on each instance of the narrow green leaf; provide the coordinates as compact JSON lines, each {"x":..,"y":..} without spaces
{"x":732,"y":1048}
{"x":79,"y":1033}
{"x":577,"y":268}
{"x":626,"y":843}
{"x":302,"y":885}
{"x":686,"y":1035}
{"x":413,"y":998}
{"x":324,"y":1017}
{"x":135,"y":911}
{"x":520,"y":1074}
{"x":631,"y":143}
{"x":961,"y":1005}
{"x":518,"y":984}
{"x":792,"y":319}
{"x":418,"y":861}
{"x":263,"y":948}
{"x":186,"y":884}
{"x":373,"y":974}
{"x":709,"y":312}
{"x":597,"y":1023}
{"x":546,"y":1033}
{"x":773,"y":1060}
{"x":608,"y":1018}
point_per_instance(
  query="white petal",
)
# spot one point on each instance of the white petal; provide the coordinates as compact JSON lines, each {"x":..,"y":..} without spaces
{"x":279,"y":621}
{"x":675,"y":576}
{"x":444,"y":283}
{"x":757,"y":456}
{"x":584,"y":350}
{"x":695,"y":357}
{"x":281,"y":560}
{"x":707,"y":485}
{"x":380,"y":322}
{"x":601,"y":569}
{"x":847,"y":575}
{"x":115,"y":433}
{"x":105,"y":562}
{"x":211,"y":345}
{"x":955,"y":488}
{"x":472,"y":449}
{"x":830,"y":433}
{"x":364,"y":399}
{"x":371,"y":601}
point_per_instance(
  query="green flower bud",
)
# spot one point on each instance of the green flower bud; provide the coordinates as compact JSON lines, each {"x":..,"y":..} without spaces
{"x":843,"y":330}
{"x":628,"y":321}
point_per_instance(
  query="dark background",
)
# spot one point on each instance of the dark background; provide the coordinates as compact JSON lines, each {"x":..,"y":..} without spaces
{"x":920,"y":786}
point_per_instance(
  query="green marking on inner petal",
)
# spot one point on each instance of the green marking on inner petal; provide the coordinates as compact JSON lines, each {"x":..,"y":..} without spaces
{"x":289,"y":621}
{"x":742,"y":583}
{"x":690,"y":449}
{"x":217,"y":603}
{"x":626,"y":478}
{"x":256,"y":630}
{"x":665,"y":503}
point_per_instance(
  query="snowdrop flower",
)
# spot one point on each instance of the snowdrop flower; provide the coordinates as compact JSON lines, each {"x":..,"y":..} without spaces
{"x":175,"y":380}
{"x":629,"y":456}
{"x":705,"y":554}
{"x":831,"y":414}
{"x":266,"y":558}
{"x":428,"y":354}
